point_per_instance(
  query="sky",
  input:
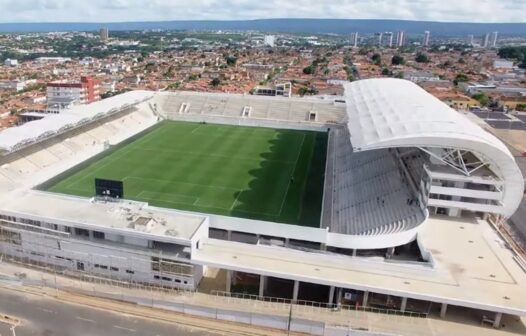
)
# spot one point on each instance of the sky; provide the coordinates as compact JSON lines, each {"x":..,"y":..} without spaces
{"x":158,"y":10}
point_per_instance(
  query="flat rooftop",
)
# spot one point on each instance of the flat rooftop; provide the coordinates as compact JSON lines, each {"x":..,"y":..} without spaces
{"x":473,"y":267}
{"x":124,"y":215}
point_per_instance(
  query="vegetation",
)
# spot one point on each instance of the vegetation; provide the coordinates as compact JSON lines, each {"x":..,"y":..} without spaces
{"x":215,"y":82}
{"x":397,"y":60}
{"x":231,"y":60}
{"x":421,"y":58}
{"x":309,"y":70}
{"x":461,"y":77}
{"x":521,"y":107}
{"x":482,"y":98}
{"x":377,"y":59}
{"x":282,"y":183}
{"x":515,"y":53}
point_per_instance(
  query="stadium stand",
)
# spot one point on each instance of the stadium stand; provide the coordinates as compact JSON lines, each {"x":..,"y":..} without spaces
{"x":64,"y":150}
{"x":370,"y":194}
{"x":232,"y":106}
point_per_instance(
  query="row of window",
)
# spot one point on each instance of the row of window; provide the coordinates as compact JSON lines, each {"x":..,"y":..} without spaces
{"x":158,"y":277}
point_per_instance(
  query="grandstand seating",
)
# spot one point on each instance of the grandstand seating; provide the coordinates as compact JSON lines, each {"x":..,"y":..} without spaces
{"x":19,"y":167}
{"x":370,"y":196}
{"x":210,"y":104}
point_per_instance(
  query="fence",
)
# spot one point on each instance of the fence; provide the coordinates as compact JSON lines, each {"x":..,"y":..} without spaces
{"x":281,"y":304}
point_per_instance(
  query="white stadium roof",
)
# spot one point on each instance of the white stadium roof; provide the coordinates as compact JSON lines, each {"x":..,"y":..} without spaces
{"x":389,"y":113}
{"x":14,"y":137}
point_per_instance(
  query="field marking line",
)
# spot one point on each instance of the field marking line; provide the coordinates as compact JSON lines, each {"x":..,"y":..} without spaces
{"x":245,"y":158}
{"x":293,"y":172}
{"x":177,"y":182}
{"x":84,"y":319}
{"x":163,"y":200}
{"x":195,"y":129}
{"x":235,"y":200}
{"x":46,"y":310}
{"x":124,"y":328}
{"x":98,"y":168}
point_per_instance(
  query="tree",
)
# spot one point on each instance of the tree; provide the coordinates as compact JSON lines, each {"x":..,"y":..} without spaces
{"x":309,"y":70}
{"x":386,"y":72}
{"x":421,"y":58}
{"x":377,"y":59}
{"x":397,"y":60}
{"x":215,"y":82}
{"x":231,"y":60}
{"x":481,"y":98}
{"x":460,"y":78}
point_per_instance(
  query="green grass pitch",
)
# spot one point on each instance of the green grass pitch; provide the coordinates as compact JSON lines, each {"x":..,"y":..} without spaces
{"x":258,"y":173}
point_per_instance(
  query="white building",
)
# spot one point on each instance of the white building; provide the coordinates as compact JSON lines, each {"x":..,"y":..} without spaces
{"x":400,"y":38}
{"x":404,"y":171}
{"x":270,"y":40}
{"x":354,"y":39}
{"x":11,"y":62}
{"x":485,"y":42}
{"x":427,"y":35}
{"x":494,"y":39}
{"x":502,"y":64}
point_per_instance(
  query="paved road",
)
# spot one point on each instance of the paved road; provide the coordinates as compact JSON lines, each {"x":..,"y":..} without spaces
{"x":47,"y":317}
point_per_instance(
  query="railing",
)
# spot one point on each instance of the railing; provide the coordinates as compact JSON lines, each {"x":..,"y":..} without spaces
{"x":283,"y":304}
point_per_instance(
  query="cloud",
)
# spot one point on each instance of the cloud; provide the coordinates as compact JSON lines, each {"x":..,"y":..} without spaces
{"x":146,"y":10}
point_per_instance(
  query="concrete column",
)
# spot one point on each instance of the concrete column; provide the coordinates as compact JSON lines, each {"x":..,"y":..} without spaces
{"x":331,"y":295}
{"x":498,"y":318}
{"x":287,"y":241}
{"x":390,"y":252}
{"x":339,"y":296}
{"x":258,"y":237}
{"x":403,"y":305}
{"x":354,"y":253}
{"x":443,"y":310}
{"x":295,"y":291}
{"x":323,"y":247}
{"x":365,"y":298}
{"x":228,"y":280}
{"x":262,"y":285}
{"x":229,"y":235}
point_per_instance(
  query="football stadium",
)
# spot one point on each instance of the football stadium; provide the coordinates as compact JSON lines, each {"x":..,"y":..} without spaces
{"x":384,"y":198}
{"x":258,"y":173}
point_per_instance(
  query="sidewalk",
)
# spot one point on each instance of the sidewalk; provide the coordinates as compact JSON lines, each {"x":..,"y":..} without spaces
{"x":213,"y":310}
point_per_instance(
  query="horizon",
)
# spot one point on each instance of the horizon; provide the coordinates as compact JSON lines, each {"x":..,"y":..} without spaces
{"x":108,"y":11}
{"x":258,"y":19}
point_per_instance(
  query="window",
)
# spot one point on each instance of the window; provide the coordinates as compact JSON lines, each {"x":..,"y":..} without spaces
{"x":130,"y":272}
{"x":81,"y":232}
{"x":115,"y":269}
{"x":156,"y":277}
{"x":166,"y":279}
{"x":98,"y":235}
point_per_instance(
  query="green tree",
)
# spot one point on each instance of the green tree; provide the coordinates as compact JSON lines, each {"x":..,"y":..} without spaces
{"x":215,"y":82}
{"x":377,"y":59}
{"x":231,"y":60}
{"x":386,"y":72}
{"x":461,"y":77}
{"x":481,"y":98}
{"x":309,"y":70}
{"x":397,"y":60}
{"x":421,"y":58}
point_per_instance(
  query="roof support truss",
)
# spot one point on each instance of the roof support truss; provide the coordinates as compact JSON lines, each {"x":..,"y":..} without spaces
{"x":456,"y":159}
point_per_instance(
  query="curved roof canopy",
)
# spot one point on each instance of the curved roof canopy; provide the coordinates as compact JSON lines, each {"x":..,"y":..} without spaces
{"x":34,"y":131}
{"x":388,"y":113}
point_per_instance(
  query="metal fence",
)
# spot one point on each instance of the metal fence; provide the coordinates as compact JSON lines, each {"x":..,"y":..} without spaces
{"x":282,"y":304}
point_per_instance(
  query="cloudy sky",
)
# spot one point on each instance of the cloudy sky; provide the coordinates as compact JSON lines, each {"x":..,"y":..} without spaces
{"x":146,"y":10}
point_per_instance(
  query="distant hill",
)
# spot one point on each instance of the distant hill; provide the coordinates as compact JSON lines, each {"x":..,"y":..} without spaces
{"x":310,"y":26}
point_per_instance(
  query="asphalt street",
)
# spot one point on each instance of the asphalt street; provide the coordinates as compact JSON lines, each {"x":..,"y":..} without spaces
{"x":47,"y":317}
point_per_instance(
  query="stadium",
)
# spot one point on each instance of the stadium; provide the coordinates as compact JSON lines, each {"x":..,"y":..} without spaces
{"x":382,"y":198}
